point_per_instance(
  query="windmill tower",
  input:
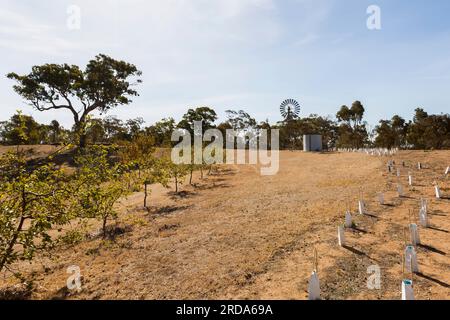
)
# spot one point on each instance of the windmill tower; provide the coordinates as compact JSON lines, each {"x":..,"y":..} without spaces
{"x":290,"y":109}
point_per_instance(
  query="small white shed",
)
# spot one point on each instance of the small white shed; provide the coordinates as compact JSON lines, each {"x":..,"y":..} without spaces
{"x":312,"y":142}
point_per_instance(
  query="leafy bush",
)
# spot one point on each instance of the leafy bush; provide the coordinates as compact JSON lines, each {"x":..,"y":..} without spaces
{"x":33,"y":200}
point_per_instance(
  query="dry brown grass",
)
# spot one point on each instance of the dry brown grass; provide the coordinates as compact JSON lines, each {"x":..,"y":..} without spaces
{"x":38,"y":150}
{"x":238,"y":234}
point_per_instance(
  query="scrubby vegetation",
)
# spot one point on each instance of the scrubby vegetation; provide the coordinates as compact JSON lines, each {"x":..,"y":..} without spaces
{"x":112,"y":158}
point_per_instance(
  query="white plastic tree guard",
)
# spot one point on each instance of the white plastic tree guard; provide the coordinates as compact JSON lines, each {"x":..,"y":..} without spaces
{"x":424,"y":204}
{"x":410,"y":180}
{"x":407,"y":290}
{"x":341,"y":236}
{"x":400,"y":190}
{"x":381,"y":198}
{"x":361,"y":207}
{"x":411,"y":259}
{"x":414,"y":233}
{"x":423,"y":217}
{"x":438,"y":191}
{"x":314,"y":287}
{"x":348,"y":220}
{"x":398,"y":172}
{"x":447,"y":171}
{"x":419,"y":166}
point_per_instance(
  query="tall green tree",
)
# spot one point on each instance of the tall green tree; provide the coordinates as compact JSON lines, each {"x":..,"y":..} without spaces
{"x":352,"y":130}
{"x":240,"y":120}
{"x":205,"y":114}
{"x":429,"y":131}
{"x":21,"y":129}
{"x":104,"y":84}
{"x":162,"y":131}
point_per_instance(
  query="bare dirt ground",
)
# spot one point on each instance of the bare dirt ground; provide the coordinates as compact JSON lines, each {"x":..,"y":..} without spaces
{"x":38,"y":151}
{"x":239,"y":235}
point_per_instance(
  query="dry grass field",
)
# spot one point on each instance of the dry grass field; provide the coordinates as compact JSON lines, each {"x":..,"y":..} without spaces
{"x":239,"y":235}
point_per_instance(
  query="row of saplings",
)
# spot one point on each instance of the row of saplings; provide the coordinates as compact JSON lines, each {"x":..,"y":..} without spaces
{"x":37,"y":196}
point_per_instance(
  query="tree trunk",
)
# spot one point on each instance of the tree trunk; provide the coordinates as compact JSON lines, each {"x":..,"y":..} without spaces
{"x":16,"y":234}
{"x":145,"y":195}
{"x":82,"y":141}
{"x":190,"y":178}
{"x":176,"y":184}
{"x":104,"y":226}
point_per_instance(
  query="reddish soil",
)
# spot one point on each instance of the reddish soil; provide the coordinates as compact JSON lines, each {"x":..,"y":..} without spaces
{"x":239,"y":235}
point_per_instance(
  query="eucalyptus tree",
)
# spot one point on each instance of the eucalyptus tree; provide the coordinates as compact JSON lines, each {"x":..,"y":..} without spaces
{"x":104,"y":84}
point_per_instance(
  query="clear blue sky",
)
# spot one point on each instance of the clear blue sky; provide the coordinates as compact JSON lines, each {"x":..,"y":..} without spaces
{"x":242,"y":54}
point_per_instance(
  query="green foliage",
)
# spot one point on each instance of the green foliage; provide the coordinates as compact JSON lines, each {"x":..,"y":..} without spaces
{"x":424,"y":132}
{"x":205,"y":114}
{"x":32,"y":202}
{"x":100,"y":185}
{"x":240,"y":120}
{"x":352,"y":132}
{"x":20,"y":129}
{"x":429,"y":131}
{"x":176,"y":171}
{"x":391,"y":133}
{"x":161,"y":131}
{"x":23,"y":129}
{"x":71,"y":237}
{"x":155,"y":171}
{"x":291,"y":133}
{"x":103,"y":85}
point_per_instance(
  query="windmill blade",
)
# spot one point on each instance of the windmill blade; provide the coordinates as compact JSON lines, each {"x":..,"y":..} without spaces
{"x":290,"y":108}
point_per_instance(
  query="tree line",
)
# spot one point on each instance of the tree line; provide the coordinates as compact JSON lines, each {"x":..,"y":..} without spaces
{"x":106,"y":83}
{"x":424,"y":131}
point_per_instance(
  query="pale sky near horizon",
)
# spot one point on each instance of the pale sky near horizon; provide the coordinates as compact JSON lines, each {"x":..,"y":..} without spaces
{"x":241,"y":54}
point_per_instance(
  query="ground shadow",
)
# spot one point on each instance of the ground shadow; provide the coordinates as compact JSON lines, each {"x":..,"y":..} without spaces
{"x":111,"y":232}
{"x":61,"y":294}
{"x":432,"y":249}
{"x":168,"y":227}
{"x":226,"y":172}
{"x":166,"y":210}
{"x":59,"y":158}
{"x":437,"y":229}
{"x":355,"y":228}
{"x":15,"y":293}
{"x":181,"y":194}
{"x":389,"y":205}
{"x":212,"y":186}
{"x":439,"y":214}
{"x":371,"y":215}
{"x":439,"y":282}
{"x":356,"y":251}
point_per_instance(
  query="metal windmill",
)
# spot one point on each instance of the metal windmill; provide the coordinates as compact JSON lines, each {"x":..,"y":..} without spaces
{"x":289,"y":109}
